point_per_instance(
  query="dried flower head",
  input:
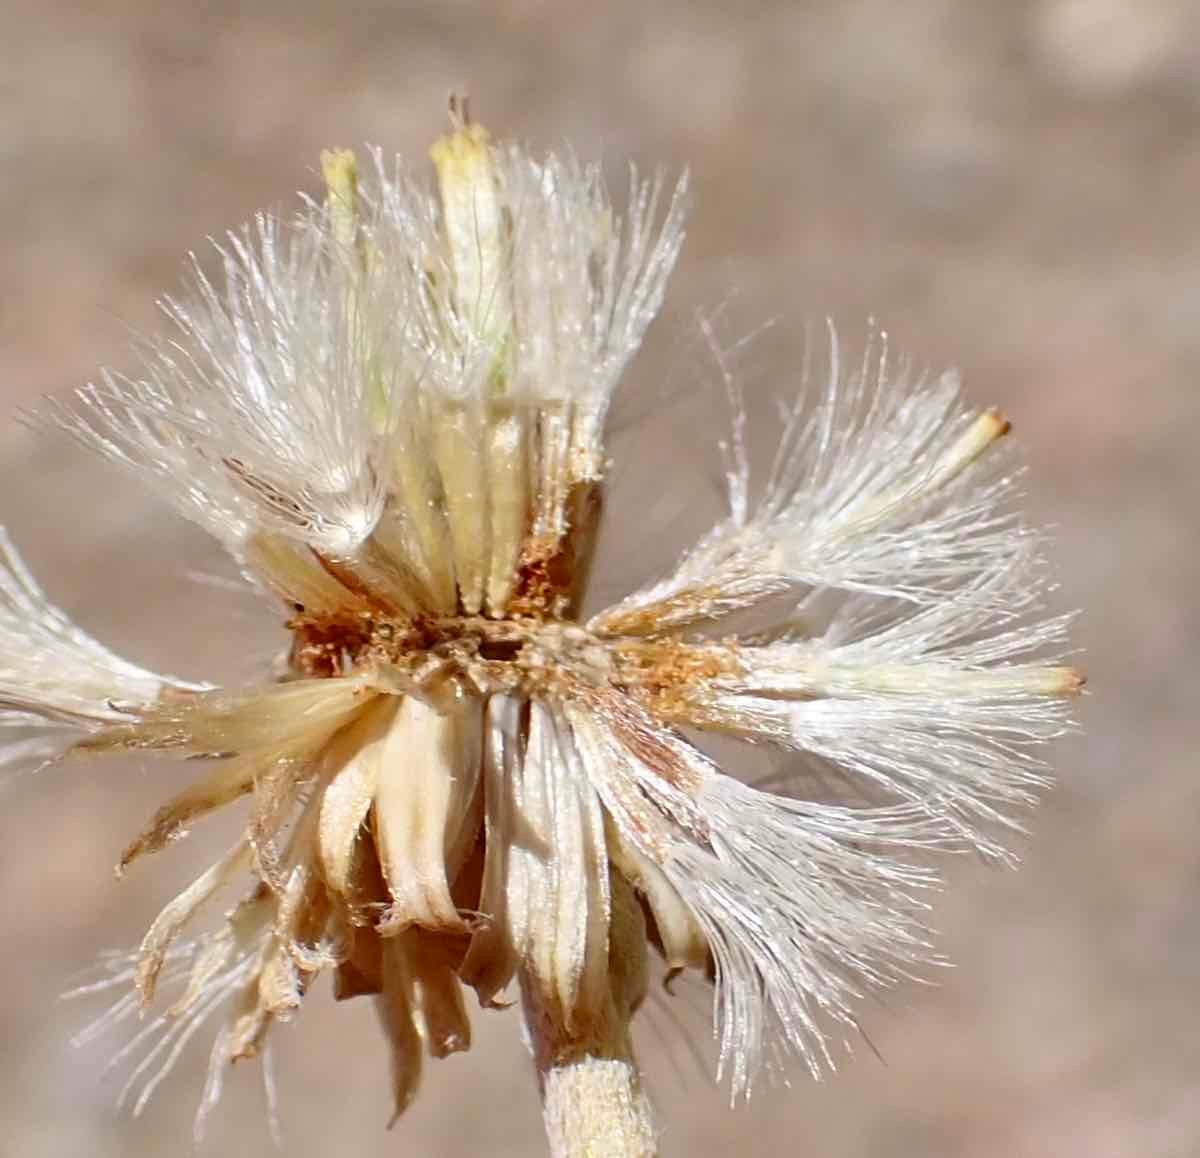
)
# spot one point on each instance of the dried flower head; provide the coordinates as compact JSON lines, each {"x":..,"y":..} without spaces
{"x":390,"y":411}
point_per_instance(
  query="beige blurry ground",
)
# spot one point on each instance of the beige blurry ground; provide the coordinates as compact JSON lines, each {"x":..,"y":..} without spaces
{"x":1010,"y":186}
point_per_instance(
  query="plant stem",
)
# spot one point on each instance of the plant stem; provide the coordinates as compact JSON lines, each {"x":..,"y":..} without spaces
{"x":593,"y":1103}
{"x":594,"y":1107}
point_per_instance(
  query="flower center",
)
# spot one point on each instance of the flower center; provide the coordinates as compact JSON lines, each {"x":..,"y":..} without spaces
{"x":495,"y":654}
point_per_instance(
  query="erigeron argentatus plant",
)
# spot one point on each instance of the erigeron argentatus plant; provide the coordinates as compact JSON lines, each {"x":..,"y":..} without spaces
{"x":390,"y":411}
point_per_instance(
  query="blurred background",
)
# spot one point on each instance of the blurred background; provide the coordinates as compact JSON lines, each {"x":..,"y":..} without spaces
{"x":1010,"y":187}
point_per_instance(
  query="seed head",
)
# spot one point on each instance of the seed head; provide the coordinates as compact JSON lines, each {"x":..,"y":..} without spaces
{"x":389,"y":409}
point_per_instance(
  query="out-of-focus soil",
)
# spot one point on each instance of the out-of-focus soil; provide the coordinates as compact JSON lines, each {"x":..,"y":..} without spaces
{"x":1010,"y":187}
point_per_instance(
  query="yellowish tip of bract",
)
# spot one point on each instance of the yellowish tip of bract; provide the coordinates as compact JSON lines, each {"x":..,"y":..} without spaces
{"x":1068,"y":681}
{"x":339,"y":168}
{"x":990,"y":427}
{"x":463,"y":157}
{"x":475,"y":227}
